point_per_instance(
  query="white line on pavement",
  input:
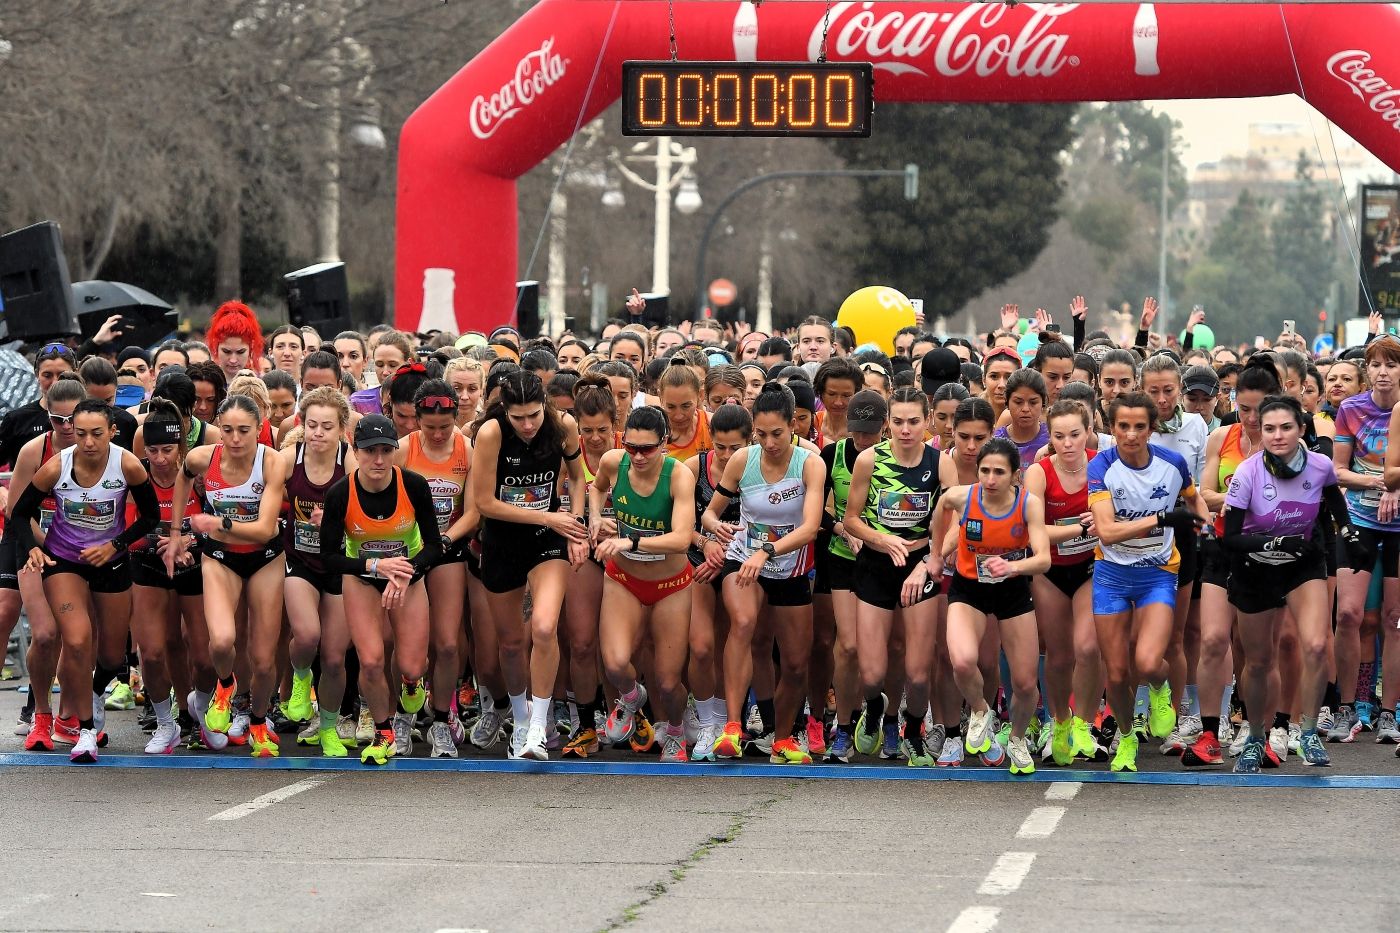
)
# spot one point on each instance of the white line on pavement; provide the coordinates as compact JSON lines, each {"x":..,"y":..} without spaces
{"x":975,"y":920}
{"x":1063,"y":790}
{"x":1041,"y":823}
{"x":1007,"y":874}
{"x":271,"y":797}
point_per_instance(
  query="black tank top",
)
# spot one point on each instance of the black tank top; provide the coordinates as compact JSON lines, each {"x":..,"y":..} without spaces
{"x":527,"y":477}
{"x":300,"y":538}
{"x":704,"y":492}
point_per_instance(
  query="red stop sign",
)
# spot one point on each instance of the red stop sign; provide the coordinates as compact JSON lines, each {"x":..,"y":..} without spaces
{"x":723,"y":292}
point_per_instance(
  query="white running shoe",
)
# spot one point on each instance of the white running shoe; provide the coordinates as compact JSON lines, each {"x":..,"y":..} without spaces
{"x":238,"y":725}
{"x":99,"y":713}
{"x":1295,"y":739}
{"x":1324,"y":719}
{"x":24,"y":723}
{"x":673,"y":748}
{"x":85,"y":749}
{"x":753,"y":724}
{"x":364,"y":726}
{"x":622,"y":719}
{"x":440,"y":736}
{"x":345,"y":728}
{"x":166,"y":737}
{"x":692,"y":722}
{"x":488,"y":729}
{"x":403,"y":735}
{"x":981,"y":728}
{"x":1241,"y":739}
{"x":764,"y":743}
{"x":1278,"y":741}
{"x":310,"y":733}
{"x":536,"y":744}
{"x":1190,"y":728}
{"x":516,"y":747}
{"x":705,"y":744}
{"x":1386,"y":730}
{"x":214,"y":741}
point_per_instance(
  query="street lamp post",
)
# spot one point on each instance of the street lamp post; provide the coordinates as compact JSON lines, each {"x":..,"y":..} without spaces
{"x":674,"y":170}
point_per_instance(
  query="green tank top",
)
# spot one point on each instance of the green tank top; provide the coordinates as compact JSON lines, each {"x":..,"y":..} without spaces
{"x":902,"y":498}
{"x":840,"y":492}
{"x":647,"y":516}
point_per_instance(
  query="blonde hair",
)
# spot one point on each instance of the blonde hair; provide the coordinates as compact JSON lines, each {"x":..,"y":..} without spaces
{"x":328,"y":397}
{"x":464,"y":364}
{"x":249,"y":384}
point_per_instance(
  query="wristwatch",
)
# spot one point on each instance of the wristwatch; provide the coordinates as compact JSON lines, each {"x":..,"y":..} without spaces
{"x":636,"y":540}
{"x":768,"y":549}
{"x":227,"y":523}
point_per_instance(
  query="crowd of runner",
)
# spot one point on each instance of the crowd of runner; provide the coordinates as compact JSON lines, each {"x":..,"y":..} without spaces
{"x":705,"y":542}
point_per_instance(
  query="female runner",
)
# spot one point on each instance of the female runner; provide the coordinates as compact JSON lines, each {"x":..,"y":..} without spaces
{"x":522,"y":445}
{"x":242,"y":559}
{"x":84,"y":555}
{"x":467,"y":378}
{"x":778,"y":521}
{"x":679,"y":391}
{"x":648,"y":575}
{"x":236,"y":338}
{"x":380,"y":533}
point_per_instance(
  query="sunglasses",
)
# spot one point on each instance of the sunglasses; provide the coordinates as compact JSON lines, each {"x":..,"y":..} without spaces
{"x":641,"y":450}
{"x":438,"y":403}
{"x":60,"y":348}
{"x":874,"y":368}
{"x":60,"y":420}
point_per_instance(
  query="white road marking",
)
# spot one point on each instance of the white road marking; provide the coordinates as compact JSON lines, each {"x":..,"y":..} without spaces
{"x":1063,"y":790}
{"x":1041,"y":823}
{"x":1007,"y":874}
{"x":975,"y":920}
{"x":157,"y":894}
{"x":271,"y":797}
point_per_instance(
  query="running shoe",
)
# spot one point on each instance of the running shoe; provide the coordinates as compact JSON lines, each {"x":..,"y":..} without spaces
{"x":310,"y":734}
{"x":995,"y":755}
{"x":1061,"y":743}
{"x":403,"y":734}
{"x":1324,"y":719}
{"x":1346,"y":727}
{"x":40,"y":737}
{"x":916,"y":752}
{"x":345,"y":731}
{"x":979,"y":732}
{"x":466,"y":695}
{"x":85,"y":747}
{"x":380,"y":748}
{"x":1295,"y":739}
{"x":731,"y":742}
{"x":1175,"y":743}
{"x":762,"y":744}
{"x":1082,"y":740}
{"x":867,"y":737}
{"x":1140,"y":725}
{"x":455,"y":727}
{"x":1161,"y":714}
{"x":1271,"y":758}
{"x":1278,"y":742}
{"x":488,"y":729}
{"x":331,"y":745}
{"x":1002,"y":730}
{"x":219,"y":716}
{"x":704,"y":749}
{"x":440,"y":738}
{"x":788,"y":752}
{"x":412,"y":696}
{"x":121,"y":697}
{"x":584,"y":744}
{"x":841,"y":748}
{"x":24,"y":722}
{"x":186,"y":723}
{"x":753,"y":724}
{"x":622,"y":721}
{"x":1386,"y":731}
{"x":1125,"y":759}
{"x":1019,"y":753}
{"x":364,"y":726}
{"x":99,"y":719}
{"x":1366,"y":714}
{"x":692,"y":722}
{"x":166,"y":737}
{"x":673,"y":749}
{"x":1250,"y":757}
{"x":536,"y":742}
{"x":299,"y":704}
{"x":952,"y":754}
{"x":65,"y":731}
{"x":1241,"y":739}
{"x":934,"y":737}
{"x":203,"y":735}
{"x":1189,"y":726}
{"x":1202,"y":753}
{"x":238,"y":727}
{"x":263,"y":741}
{"x":816,"y":736}
{"x":889,"y":747}
{"x":643,"y":735}
{"x":515,"y":747}
{"x":1313,"y":751}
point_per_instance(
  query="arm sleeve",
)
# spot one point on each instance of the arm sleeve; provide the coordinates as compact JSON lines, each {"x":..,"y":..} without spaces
{"x":23,"y":512}
{"x":1236,"y":540}
{"x":1141,"y":340}
{"x":333,"y":531}
{"x":1080,"y":328}
{"x":421,"y":497}
{"x":1335,"y":503}
{"x":1187,"y":340}
{"x":147,"y":516}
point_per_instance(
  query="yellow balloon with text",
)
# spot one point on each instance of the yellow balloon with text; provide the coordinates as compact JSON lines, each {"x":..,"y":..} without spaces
{"x":876,"y":313}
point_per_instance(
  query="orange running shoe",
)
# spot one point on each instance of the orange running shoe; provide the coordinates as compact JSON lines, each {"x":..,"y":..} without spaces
{"x":466,"y":696}
{"x":582,"y":745}
{"x":643,"y":735}
{"x":263,"y":741}
{"x":65,"y":731}
{"x":788,"y":752}
{"x":816,"y":736}
{"x":220,"y":711}
{"x":40,"y":738}
{"x":730,"y":743}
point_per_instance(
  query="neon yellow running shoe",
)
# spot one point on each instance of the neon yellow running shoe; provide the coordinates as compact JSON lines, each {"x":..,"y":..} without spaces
{"x":379,"y":750}
{"x":298,"y":707}
{"x":1126,"y":757}
{"x":220,"y":712}
{"x":1161,"y":715}
{"x":121,"y":697}
{"x":331,"y":746}
{"x":261,"y":742}
{"x":1082,"y":740}
{"x":412,"y":700}
{"x":1061,"y":748}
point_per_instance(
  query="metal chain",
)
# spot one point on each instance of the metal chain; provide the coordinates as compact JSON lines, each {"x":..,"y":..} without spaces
{"x":826,"y":22}
{"x":671,"y":15}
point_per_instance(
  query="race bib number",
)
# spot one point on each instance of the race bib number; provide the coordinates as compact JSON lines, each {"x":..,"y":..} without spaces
{"x":1080,"y":544}
{"x":443,"y":509}
{"x":534,"y":498}
{"x":761,"y":534}
{"x":983,"y":574}
{"x":237,"y":510}
{"x":1153,"y":542}
{"x":307,"y":538}
{"x":903,"y":509}
{"x":98,"y":515}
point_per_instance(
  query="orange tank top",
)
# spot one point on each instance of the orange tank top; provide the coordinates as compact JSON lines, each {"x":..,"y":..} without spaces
{"x":982,"y":535}
{"x":447,"y":479}
{"x":700,"y":441}
{"x":395,"y":536}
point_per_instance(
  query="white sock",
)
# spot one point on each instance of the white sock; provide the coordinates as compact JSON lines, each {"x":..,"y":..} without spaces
{"x":539,"y":711}
{"x":715,"y":712}
{"x":163,"y":713}
{"x":520,"y":708}
{"x":201,"y":701}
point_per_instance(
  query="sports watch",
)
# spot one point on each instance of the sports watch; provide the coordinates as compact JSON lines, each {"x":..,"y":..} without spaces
{"x":768,"y":549}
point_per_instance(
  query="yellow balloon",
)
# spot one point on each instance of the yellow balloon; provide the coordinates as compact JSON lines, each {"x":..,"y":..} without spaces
{"x":876,"y":313}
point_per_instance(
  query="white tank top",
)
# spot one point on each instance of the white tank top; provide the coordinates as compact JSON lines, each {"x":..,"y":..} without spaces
{"x":87,"y":515}
{"x":769,"y":512}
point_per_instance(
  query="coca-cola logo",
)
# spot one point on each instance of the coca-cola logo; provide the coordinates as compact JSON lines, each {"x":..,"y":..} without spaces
{"x":971,"y":40}
{"x":534,"y":73}
{"x":1350,"y":67}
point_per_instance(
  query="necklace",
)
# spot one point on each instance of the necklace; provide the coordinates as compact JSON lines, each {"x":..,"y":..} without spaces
{"x":1066,"y":469}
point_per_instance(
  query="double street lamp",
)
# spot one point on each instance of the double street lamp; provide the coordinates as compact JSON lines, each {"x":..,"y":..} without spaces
{"x":675,"y":171}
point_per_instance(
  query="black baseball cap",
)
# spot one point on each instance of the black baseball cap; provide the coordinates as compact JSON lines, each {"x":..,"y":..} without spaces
{"x":1200,"y":379}
{"x":867,"y":412}
{"x":374,"y":430}
{"x":939,"y":367}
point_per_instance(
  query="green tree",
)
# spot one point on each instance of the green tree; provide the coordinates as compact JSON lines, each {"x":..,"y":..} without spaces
{"x":1239,"y":282}
{"x":989,"y":190}
{"x":1303,"y":249}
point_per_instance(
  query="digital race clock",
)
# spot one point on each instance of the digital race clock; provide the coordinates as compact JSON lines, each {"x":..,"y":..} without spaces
{"x":747,"y":99}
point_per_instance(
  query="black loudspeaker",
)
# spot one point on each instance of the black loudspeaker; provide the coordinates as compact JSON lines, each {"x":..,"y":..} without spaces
{"x":146,"y":320}
{"x":319,"y":296}
{"x":35,"y":295}
{"x":527,"y":309}
{"x":658,"y":310}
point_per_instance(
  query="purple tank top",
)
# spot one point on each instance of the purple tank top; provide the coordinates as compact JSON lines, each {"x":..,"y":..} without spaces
{"x":1277,"y":506}
{"x":85,"y":516}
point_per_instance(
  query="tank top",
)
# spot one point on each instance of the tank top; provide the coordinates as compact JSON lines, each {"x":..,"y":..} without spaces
{"x":447,"y":479}
{"x":588,"y":475}
{"x":704,"y":492}
{"x":1029,"y":449}
{"x":165,"y":496}
{"x":700,"y":441}
{"x":768,"y":512}
{"x":395,"y":536}
{"x":237,"y":503}
{"x":86,"y":516}
{"x":902,"y":498}
{"x":1231,"y":456}
{"x":1064,"y":508}
{"x":47,"y":507}
{"x":982,"y":535}
{"x":840,"y":492}
{"x":647,"y":516}
{"x":300,"y":536}
{"x":527,"y":477}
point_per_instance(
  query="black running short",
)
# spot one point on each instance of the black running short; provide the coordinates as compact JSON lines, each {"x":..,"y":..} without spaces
{"x":1215,"y":565}
{"x":789,"y":591}
{"x":878,"y":582}
{"x":1068,"y":578}
{"x":9,"y":561}
{"x":323,"y":580}
{"x":1005,"y":600}
{"x":507,"y":558}
{"x":112,"y":578}
{"x":840,"y":574}
{"x":147,"y":569}
{"x":1382,"y":544}
{"x":1188,"y":546}
{"x":243,"y":563}
{"x":1256,"y":587}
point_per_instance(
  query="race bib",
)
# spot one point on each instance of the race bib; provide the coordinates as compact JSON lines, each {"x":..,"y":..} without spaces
{"x":237,"y":510}
{"x":98,"y":515}
{"x":1080,"y":544}
{"x":307,"y":538}
{"x":984,"y":576}
{"x":534,"y":498}
{"x":761,"y":534}
{"x":1369,"y":498}
{"x":1153,"y":542}
{"x":626,"y":531}
{"x":903,"y":509}
{"x":443,"y":509}
{"x":45,"y":519}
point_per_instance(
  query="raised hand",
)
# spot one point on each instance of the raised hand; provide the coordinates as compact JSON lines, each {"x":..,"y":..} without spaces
{"x":1374,"y":320}
{"x":1149,"y":313}
{"x":636,"y":304}
{"x":1010,"y":314}
{"x":1078,"y":308}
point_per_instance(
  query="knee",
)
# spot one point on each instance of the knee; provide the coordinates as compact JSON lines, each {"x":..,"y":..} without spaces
{"x":795,"y":663}
{"x":1349,"y":617}
{"x":963,"y":665}
{"x":372,"y":665}
{"x":43,"y":639}
{"x":544,"y":629}
{"x":583,"y":645}
{"x":221,"y":643}
{"x":1025,"y":685}
{"x":668,"y":683}
{"x":1214,"y":644}
{"x":1314,"y":651}
{"x":332,"y":668}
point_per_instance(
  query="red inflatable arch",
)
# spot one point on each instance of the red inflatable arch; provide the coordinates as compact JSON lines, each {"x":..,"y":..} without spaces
{"x":560,"y":65}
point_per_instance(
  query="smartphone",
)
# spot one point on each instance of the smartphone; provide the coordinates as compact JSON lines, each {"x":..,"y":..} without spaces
{"x":1288,"y":328}
{"x":1053,"y":328}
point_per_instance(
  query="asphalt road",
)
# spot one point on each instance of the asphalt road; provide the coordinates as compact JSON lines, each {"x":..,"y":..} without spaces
{"x":252,"y":847}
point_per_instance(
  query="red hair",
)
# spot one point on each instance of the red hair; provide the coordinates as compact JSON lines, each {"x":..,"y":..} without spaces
{"x":237,"y":320}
